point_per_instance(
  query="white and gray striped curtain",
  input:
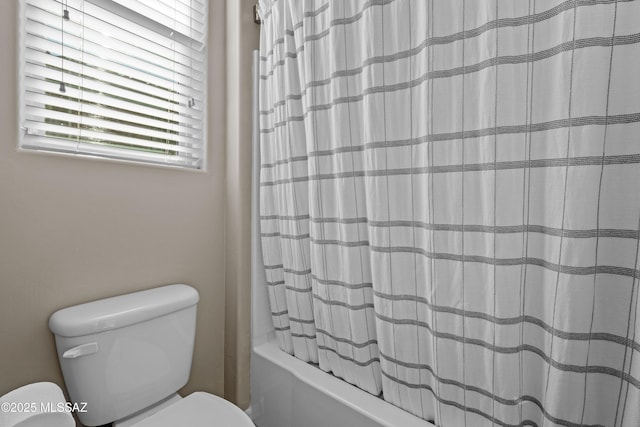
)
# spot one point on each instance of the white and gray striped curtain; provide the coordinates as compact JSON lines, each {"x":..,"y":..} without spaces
{"x":450,"y":202}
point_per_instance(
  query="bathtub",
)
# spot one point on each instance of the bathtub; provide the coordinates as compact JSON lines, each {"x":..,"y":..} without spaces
{"x":287,"y":392}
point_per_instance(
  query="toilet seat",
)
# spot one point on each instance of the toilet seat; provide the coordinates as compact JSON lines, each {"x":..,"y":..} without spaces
{"x":199,"y":409}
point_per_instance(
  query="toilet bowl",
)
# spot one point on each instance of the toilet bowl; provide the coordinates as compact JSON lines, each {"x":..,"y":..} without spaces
{"x":198,"y":409}
{"x":35,"y":405}
{"x":126,"y":357}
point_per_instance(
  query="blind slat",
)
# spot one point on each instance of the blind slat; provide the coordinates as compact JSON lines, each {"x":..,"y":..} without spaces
{"x":108,"y":126}
{"x":95,"y":27}
{"x":120,"y":15}
{"x":74,"y":136}
{"x":50,"y":89}
{"x":104,"y":89}
{"x":40,"y":101}
{"x":133,"y":60}
{"x":174,"y":16}
{"x":62,"y":146}
{"x":40,"y":64}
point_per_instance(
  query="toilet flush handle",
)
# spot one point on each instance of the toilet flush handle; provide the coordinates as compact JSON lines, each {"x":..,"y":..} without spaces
{"x":81,"y":350}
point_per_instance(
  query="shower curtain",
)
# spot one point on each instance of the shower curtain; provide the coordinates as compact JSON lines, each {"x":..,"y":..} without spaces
{"x":450,"y":202}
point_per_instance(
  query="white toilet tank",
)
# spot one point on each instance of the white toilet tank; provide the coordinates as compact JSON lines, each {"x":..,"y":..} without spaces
{"x":123,"y":354}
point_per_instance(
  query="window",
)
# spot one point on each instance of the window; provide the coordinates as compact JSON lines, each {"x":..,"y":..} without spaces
{"x":122,"y":79}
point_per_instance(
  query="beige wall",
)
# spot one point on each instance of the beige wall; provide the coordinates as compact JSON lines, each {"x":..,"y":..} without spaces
{"x":73,"y":230}
{"x":242,"y":38}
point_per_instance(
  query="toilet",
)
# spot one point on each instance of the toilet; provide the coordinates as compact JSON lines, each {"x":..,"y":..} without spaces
{"x":124,"y":358}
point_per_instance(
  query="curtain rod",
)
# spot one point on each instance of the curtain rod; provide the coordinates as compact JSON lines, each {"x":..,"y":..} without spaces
{"x":256,"y":14}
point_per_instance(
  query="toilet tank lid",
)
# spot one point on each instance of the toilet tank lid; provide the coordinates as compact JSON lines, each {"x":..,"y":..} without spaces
{"x":124,"y":310}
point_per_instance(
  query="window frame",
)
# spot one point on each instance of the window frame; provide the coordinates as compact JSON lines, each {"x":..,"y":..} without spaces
{"x":108,"y":150}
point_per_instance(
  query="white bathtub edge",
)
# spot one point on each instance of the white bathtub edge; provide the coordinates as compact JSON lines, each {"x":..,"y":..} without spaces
{"x":360,"y":401}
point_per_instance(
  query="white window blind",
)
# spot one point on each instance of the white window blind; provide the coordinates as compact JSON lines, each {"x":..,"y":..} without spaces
{"x":121,"y":79}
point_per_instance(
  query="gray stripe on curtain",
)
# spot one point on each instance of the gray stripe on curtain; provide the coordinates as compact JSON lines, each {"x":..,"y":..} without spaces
{"x":613,"y":232}
{"x":542,"y":163}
